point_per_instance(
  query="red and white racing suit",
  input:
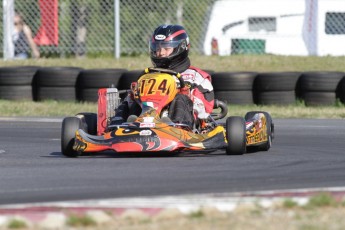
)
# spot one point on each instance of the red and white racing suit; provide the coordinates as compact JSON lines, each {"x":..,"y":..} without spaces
{"x":201,"y":93}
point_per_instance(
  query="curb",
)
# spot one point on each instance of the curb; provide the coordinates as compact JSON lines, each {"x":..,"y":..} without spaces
{"x":55,"y":215}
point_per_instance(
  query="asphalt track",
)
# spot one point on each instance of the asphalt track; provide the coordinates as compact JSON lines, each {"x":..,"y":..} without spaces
{"x":306,"y":153}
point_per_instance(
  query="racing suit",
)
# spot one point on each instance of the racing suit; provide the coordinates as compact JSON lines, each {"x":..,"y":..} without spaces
{"x":195,"y":100}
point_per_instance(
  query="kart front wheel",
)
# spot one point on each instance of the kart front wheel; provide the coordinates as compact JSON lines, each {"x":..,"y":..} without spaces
{"x":69,"y":126}
{"x":236,"y":135}
{"x":270,"y":130}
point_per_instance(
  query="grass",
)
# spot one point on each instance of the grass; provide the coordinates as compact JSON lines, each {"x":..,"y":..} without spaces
{"x":16,"y":224}
{"x":289,"y":203}
{"x":46,"y":108}
{"x":197,"y":214}
{"x":322,"y":200}
{"x":62,"y":109}
{"x":258,"y":63}
{"x":326,"y":213}
{"x":322,"y":211}
{"x":80,"y":221}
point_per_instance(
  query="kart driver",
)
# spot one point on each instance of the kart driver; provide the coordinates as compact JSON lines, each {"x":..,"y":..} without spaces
{"x":169,"y":48}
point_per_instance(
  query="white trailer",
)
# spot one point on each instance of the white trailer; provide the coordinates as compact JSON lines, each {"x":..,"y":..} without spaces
{"x":283,"y":27}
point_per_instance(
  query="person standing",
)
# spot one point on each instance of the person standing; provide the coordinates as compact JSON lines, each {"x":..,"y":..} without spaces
{"x":23,"y":41}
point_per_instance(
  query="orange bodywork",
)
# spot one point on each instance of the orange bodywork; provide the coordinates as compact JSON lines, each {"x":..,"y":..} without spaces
{"x":161,"y":138}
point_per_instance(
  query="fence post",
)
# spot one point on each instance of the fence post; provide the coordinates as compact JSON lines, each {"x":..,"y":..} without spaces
{"x":117,"y":28}
{"x":8,"y":15}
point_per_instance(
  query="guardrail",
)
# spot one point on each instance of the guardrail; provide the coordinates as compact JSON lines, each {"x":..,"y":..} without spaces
{"x":262,"y":88}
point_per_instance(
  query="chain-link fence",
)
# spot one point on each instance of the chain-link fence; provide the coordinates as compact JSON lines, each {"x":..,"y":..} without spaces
{"x":67,"y":28}
{"x":87,"y":27}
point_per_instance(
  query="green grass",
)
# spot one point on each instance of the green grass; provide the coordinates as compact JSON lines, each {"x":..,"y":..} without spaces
{"x":321,"y":200}
{"x":46,"y":108}
{"x":62,"y":109}
{"x":258,"y":63}
{"x":289,"y":203}
{"x":80,"y":221}
{"x":197,"y":214}
{"x":16,"y":224}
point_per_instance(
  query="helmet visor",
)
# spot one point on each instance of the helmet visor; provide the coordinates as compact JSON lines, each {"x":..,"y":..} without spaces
{"x":158,"y":45}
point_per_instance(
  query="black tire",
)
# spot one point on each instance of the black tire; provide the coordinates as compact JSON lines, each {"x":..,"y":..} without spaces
{"x":18,"y":75}
{"x":16,"y":92}
{"x":276,"y":81}
{"x":209,"y":71}
{"x":319,"y":98}
{"x":57,"y":76}
{"x":236,"y":135}
{"x":99,"y":78}
{"x":235,"y":97}
{"x":128,"y":77}
{"x":320,"y":81}
{"x":242,"y":81}
{"x":90,"y":119}
{"x":69,"y":126}
{"x":270,"y":129}
{"x":275,"y":98}
{"x":55,"y":93}
{"x":87,"y":95}
{"x":341,"y":90}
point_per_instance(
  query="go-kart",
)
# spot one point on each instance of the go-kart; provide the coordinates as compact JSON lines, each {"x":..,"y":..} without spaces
{"x":151,"y":131}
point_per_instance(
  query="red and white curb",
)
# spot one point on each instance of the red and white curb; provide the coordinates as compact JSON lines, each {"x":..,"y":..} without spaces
{"x":54,"y":214}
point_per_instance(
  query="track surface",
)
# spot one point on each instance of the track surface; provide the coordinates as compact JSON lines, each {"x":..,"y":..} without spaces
{"x":306,"y":153}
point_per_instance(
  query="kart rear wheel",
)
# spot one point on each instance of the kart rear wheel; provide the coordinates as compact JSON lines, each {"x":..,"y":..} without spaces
{"x":69,"y":126}
{"x":236,"y":135}
{"x":270,"y":130}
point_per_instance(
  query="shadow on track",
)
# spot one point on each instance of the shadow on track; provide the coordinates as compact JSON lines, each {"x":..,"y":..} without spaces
{"x":110,"y":154}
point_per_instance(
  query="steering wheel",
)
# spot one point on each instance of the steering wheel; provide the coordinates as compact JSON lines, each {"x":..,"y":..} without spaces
{"x":168,"y":71}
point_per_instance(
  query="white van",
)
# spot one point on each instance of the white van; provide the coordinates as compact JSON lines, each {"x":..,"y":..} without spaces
{"x":284,"y":27}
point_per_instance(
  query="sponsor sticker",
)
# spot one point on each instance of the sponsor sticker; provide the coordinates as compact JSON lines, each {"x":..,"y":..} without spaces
{"x":257,"y":137}
{"x":160,"y":37}
{"x":145,"y":133}
{"x":249,"y":125}
{"x":147,"y":125}
{"x":148,"y":119}
{"x":148,"y":103}
{"x":188,"y":77}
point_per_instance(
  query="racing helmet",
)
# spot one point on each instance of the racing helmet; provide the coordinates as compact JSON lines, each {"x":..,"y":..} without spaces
{"x":174,"y":36}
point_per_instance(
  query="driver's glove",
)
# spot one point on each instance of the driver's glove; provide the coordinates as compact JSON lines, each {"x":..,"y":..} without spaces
{"x":116,"y":121}
{"x":185,"y":91}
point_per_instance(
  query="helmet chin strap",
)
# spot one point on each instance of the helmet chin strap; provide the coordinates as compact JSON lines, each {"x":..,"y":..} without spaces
{"x":179,"y":66}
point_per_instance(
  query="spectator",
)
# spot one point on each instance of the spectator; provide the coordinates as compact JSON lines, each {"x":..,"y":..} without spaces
{"x":23,"y":41}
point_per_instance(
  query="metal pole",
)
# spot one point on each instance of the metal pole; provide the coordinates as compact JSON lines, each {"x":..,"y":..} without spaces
{"x":117,"y":28}
{"x":8,"y":28}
